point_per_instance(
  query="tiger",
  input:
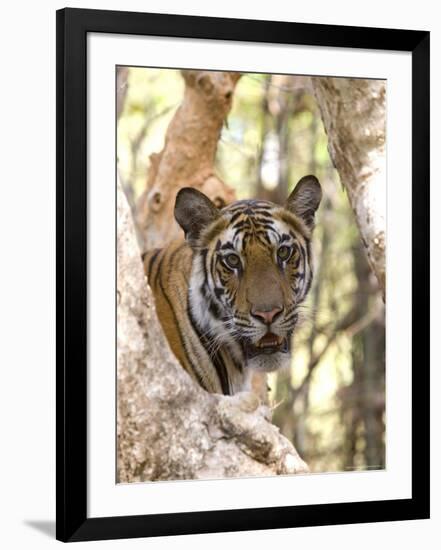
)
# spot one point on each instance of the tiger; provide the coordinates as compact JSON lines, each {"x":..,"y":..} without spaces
{"x":228,"y":295}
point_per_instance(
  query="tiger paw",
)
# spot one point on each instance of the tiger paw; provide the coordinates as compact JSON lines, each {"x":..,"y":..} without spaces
{"x":247,"y":402}
{"x":243,"y":418}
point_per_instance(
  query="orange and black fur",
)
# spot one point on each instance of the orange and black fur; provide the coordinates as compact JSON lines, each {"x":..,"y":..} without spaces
{"x":228,"y":296}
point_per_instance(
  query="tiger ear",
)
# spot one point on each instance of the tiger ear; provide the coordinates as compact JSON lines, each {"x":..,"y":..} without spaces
{"x":193,"y":212}
{"x":305,"y":199}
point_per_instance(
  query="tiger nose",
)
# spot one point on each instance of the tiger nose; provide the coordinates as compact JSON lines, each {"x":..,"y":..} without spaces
{"x":267,"y":315}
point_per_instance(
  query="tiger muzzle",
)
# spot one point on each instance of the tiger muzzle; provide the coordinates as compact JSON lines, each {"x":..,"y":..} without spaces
{"x":270,"y":343}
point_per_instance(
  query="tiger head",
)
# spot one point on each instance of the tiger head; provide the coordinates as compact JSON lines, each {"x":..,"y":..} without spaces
{"x":251,"y":270}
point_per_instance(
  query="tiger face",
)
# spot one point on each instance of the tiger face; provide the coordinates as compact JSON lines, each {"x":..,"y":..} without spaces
{"x":251,"y":270}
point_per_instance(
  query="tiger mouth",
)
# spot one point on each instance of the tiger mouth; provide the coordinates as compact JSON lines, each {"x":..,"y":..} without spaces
{"x":268,"y":344}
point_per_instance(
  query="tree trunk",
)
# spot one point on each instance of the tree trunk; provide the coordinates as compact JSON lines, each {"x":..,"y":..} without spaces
{"x":168,"y":427}
{"x":354,"y":116}
{"x":122,"y":75}
{"x":188,"y":155}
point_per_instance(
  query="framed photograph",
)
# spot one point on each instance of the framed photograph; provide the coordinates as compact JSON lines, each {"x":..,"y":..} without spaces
{"x":242,"y":275}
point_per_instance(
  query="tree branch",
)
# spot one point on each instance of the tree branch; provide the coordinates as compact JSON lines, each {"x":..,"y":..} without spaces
{"x":187,"y":158}
{"x":353,"y":112}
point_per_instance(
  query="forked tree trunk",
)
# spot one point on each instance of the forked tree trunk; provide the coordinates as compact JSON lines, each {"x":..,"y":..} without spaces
{"x":354,"y":116}
{"x":168,"y":427}
{"x":188,"y":155}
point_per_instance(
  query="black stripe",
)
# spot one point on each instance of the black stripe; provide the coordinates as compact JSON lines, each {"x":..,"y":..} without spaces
{"x":172,"y":257}
{"x":216,"y":358}
{"x":181,"y":338}
{"x":295,"y":259}
{"x":214,"y":310}
{"x":243,"y":325}
{"x":289,"y":317}
{"x":308,"y":247}
{"x":227,"y":246}
{"x":264,"y":234}
{"x":241,"y":224}
{"x":266,"y":214}
{"x":308,"y":286}
{"x":264,"y":224}
{"x":152,"y":261}
{"x":218,"y":292}
{"x":238,"y":366}
{"x":213,"y":262}
{"x":303,"y":254}
{"x":263,"y":206}
{"x":204,"y":254}
{"x":235,"y":216}
{"x":158,"y":271}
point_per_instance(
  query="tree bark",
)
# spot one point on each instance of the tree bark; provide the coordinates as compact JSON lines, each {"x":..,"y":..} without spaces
{"x":354,"y":116}
{"x":122,"y":75}
{"x":188,"y":155}
{"x":167,"y":426}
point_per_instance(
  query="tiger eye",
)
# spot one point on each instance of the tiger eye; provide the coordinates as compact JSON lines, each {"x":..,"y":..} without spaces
{"x":284,"y":253}
{"x":232,"y":260}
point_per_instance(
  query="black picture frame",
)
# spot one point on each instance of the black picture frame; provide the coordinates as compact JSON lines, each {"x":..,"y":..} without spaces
{"x":72,"y":523}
